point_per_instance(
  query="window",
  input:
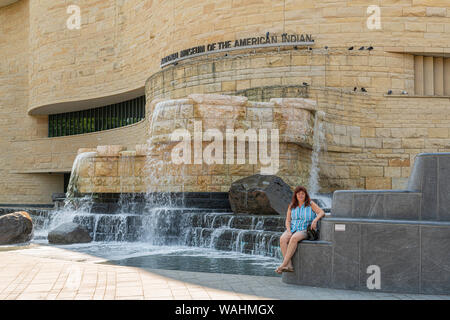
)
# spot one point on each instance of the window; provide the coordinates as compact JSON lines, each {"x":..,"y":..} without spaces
{"x":432,"y":76}
{"x":98,"y":119}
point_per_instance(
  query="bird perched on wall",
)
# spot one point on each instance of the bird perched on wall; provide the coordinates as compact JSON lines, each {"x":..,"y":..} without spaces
{"x":305,"y":84}
{"x":370,"y":48}
{"x":404,"y":92}
{"x":390,"y":92}
{"x":326,"y":47}
{"x":351,"y":48}
{"x":362,"y":48}
{"x":355,"y":88}
{"x":363,"y":90}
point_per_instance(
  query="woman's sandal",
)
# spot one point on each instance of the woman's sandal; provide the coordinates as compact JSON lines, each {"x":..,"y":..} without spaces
{"x":279,"y":270}
{"x":286,"y":269}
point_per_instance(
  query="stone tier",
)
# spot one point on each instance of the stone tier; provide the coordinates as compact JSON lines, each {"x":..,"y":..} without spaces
{"x":153,"y":167}
{"x":404,"y":233}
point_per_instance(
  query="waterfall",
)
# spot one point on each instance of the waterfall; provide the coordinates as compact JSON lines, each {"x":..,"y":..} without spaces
{"x":160,"y":218}
{"x":319,"y":142}
{"x":127,"y":200}
{"x":72,"y":188}
{"x":162,"y":176}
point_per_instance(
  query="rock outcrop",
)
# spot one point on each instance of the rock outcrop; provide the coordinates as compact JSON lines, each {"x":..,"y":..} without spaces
{"x":260,"y":195}
{"x":69,"y":233}
{"x":15,"y":227}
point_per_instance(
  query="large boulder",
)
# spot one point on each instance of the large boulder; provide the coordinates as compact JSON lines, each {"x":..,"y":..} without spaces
{"x":15,"y":227}
{"x":69,"y":233}
{"x":260,"y":195}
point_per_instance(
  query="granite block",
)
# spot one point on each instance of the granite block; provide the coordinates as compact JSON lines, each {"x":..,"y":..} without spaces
{"x":435,"y":260}
{"x":402,"y":206}
{"x":429,"y":189}
{"x":444,"y":188}
{"x":346,"y":257}
{"x":395,"y":249}
{"x":368,"y":205}
{"x":342,"y":204}
{"x":326,"y":230}
{"x":315,"y":265}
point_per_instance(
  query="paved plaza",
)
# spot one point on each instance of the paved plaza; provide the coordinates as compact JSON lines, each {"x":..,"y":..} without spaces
{"x":40,"y":272}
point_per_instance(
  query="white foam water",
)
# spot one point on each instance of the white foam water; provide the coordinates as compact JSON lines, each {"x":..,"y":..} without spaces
{"x":319,"y":143}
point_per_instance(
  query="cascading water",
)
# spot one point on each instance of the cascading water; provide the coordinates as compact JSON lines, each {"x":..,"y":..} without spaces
{"x":159,"y":223}
{"x":127,"y":200}
{"x":72,"y":188}
{"x":162,"y":221}
{"x":74,"y":205}
{"x":319,"y":143}
{"x":158,"y":162}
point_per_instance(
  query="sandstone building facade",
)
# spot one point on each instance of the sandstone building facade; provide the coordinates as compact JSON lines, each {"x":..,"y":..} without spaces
{"x":383,"y":104}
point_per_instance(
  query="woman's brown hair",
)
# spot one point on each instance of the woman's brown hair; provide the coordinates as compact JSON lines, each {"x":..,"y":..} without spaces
{"x":294,"y":202}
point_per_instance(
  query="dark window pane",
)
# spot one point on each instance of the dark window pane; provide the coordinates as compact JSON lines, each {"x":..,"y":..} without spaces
{"x":85,"y":122}
{"x":68,"y":118}
{"x":55,"y":123}
{"x":69,"y":124}
{"x":78,"y":122}
{"x":118,"y":115}
{"x":97,"y":119}
{"x":81,"y":121}
{"x":132,"y":103}
{"x":92,"y":117}
{"x":100,"y":119}
{"x":79,"y":130}
{"x":108,"y":117}
{"x":138,"y":114}
{"x":88,"y":116}
{"x":114,"y":107}
{"x":59,"y":124}
{"x":123,"y":115}
{"x":63,"y":124}
{"x":128,"y":112}
{"x":135,"y":106}
{"x":119,"y":109}
{"x":143,"y":108}
{"x":50,"y":124}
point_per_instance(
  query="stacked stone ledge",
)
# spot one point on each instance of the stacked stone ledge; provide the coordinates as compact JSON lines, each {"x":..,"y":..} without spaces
{"x":149,"y":167}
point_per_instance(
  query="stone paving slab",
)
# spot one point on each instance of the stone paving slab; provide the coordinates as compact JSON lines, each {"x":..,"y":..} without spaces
{"x":28,"y":275}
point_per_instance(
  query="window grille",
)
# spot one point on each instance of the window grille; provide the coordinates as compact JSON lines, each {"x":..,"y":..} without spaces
{"x":97,"y":119}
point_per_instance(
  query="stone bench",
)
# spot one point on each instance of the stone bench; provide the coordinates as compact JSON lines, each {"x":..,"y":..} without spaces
{"x":427,"y":196}
{"x":406,"y":233}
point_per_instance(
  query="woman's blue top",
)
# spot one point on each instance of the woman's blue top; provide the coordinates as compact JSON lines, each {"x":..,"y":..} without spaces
{"x":301,"y":217}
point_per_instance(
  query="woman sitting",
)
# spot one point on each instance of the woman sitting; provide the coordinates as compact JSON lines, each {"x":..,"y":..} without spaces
{"x":301,"y":212}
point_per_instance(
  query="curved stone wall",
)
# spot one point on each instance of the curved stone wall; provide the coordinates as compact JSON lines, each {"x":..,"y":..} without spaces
{"x":293,"y":120}
{"x":372,"y":138}
{"x":120,"y":43}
